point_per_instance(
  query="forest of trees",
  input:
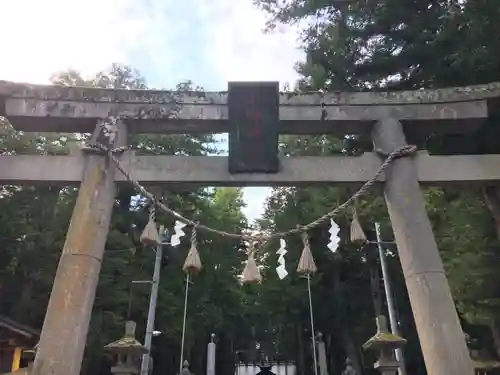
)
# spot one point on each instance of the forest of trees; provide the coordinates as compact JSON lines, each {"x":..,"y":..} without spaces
{"x":351,"y":45}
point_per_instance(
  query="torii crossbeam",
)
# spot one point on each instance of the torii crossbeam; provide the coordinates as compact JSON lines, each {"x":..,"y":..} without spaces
{"x":192,"y":171}
{"x":390,"y":117}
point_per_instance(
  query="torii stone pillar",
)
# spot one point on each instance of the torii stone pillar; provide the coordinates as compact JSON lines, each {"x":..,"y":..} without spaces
{"x":211,"y":355}
{"x":64,"y":333}
{"x":441,"y":337}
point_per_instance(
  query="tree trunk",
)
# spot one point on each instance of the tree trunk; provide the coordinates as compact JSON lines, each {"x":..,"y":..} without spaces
{"x":349,"y":344}
{"x":495,"y":335}
{"x":300,"y":357}
{"x":20,"y":312}
{"x":329,"y":353}
{"x":350,"y":348}
{"x":492,"y":198}
{"x":375,"y":288}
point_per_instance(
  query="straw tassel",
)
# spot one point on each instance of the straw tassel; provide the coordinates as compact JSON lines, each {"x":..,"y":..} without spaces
{"x":150,"y":235}
{"x":357,"y":234}
{"x":193,"y":262}
{"x":251,"y":273}
{"x":306,"y":262}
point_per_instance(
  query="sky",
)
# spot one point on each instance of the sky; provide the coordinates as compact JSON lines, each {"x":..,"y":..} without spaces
{"x":209,"y":42}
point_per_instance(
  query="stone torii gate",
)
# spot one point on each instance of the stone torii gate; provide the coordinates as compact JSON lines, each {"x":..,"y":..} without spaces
{"x":390,"y":117}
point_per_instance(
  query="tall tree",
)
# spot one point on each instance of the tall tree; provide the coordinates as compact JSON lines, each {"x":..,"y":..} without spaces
{"x":34,"y":223}
{"x":389,"y":44}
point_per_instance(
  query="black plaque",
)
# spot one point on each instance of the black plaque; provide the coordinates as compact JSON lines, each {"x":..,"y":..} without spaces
{"x":253,"y":111}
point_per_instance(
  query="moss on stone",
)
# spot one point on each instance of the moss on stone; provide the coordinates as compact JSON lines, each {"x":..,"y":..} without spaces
{"x":126,"y":344}
{"x":91,"y":94}
{"x":486,"y":365}
{"x":381,"y":339}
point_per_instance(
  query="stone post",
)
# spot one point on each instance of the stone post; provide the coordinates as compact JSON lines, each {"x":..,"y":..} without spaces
{"x":323,"y":368}
{"x":441,"y":337}
{"x":385,"y":343}
{"x":211,"y":355}
{"x":127,"y":350}
{"x":349,"y":368}
{"x":185,"y":369}
{"x":64,"y":333}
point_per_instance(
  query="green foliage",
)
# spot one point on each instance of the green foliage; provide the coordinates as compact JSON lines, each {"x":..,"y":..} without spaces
{"x":350,"y":45}
{"x":34,"y":221}
{"x":408,"y":44}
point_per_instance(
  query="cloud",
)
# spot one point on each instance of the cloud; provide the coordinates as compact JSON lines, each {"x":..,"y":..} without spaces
{"x":239,"y":50}
{"x":209,"y":42}
{"x":212,"y":42}
{"x":41,"y":37}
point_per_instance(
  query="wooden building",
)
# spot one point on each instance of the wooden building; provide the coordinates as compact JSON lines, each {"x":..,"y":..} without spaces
{"x":14,"y":339}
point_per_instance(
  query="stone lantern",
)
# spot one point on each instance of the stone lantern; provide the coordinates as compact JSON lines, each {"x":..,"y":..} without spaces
{"x":127,"y":350}
{"x":385,"y":343}
{"x":185,"y":369}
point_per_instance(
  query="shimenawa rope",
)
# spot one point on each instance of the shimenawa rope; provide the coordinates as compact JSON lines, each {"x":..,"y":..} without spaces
{"x":111,"y":152}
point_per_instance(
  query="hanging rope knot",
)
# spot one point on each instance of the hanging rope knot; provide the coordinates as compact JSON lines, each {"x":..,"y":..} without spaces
{"x":152,"y":211}
{"x":305,"y":237}
{"x":357,"y":234}
{"x":150,"y":235}
{"x":251,"y":273}
{"x":194,"y":240}
{"x":119,"y":150}
{"x":193,"y":262}
{"x":306,"y":262}
{"x":99,"y":148}
{"x":406,"y":150}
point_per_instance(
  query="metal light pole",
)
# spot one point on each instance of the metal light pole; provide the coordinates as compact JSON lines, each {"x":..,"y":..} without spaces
{"x":390,"y":301}
{"x":152,"y":301}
